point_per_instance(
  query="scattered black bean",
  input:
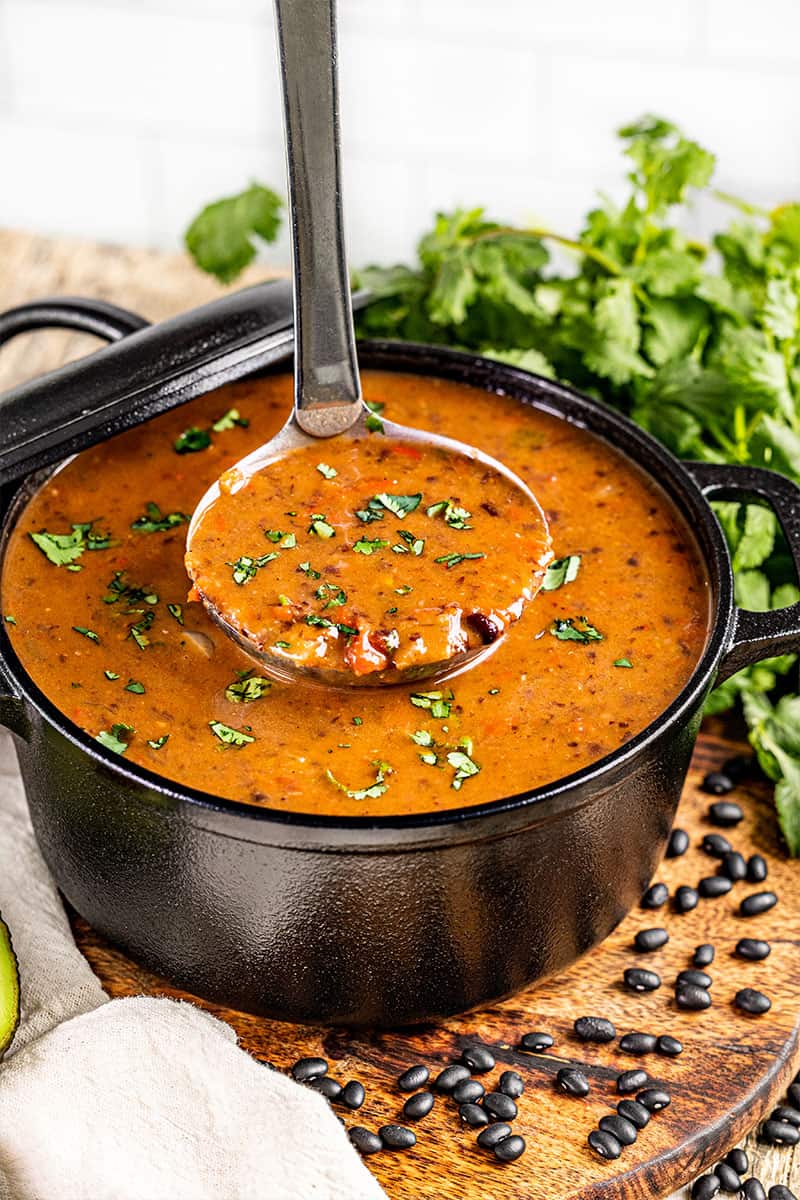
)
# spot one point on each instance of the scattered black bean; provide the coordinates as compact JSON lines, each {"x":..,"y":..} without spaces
{"x":634,"y":1112}
{"x":714,"y":885}
{"x":511,"y":1084}
{"x":733,"y":866}
{"x":752,"y":949}
{"x":756,"y":868}
{"x":500,"y":1106}
{"x":510,"y":1148}
{"x":488,"y":1138}
{"x":793,"y":1092}
{"x":631,"y":1081}
{"x":757,"y":903}
{"x":413,"y":1078}
{"x":623,"y":1130}
{"x":753,"y":1189}
{"x":639,"y":980}
{"x":705,"y":1187}
{"x":594,"y":1029}
{"x":779,"y":1191}
{"x":572,"y":1081}
{"x":647,"y":940}
{"x":678,"y":843}
{"x":536,"y":1042}
{"x":686,"y":899}
{"x":447,"y":1079}
{"x":604,"y":1144}
{"x":728,"y":1178}
{"x":739,"y":1160}
{"x":654,"y":1099}
{"x":479,"y":1059}
{"x":364,"y":1141}
{"x":669,"y":1046}
{"x":473,"y":1115}
{"x":468,"y":1091}
{"x":784,"y":1113}
{"x":638,"y":1043}
{"x":715,"y":845}
{"x":353,"y":1094}
{"x":738,"y":767}
{"x":780,"y":1133}
{"x":309,"y":1068}
{"x":694,"y":978}
{"x":725,"y":813}
{"x":751,"y":1001}
{"x":418,"y":1106}
{"x":329,"y":1087}
{"x":656,"y":895}
{"x":397,"y":1137}
{"x":703,"y":955}
{"x":717,"y":784}
{"x":692,"y":998}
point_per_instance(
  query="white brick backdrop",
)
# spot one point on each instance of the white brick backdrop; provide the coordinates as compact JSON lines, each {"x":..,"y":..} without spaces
{"x":119,"y":118}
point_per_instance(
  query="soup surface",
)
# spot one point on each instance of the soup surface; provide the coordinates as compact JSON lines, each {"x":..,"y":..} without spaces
{"x":94,"y":595}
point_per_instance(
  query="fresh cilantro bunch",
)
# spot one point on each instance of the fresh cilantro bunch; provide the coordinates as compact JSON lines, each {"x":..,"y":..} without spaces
{"x":700,"y":344}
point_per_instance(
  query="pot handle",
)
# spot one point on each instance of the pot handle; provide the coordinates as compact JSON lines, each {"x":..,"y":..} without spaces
{"x":104,"y":320}
{"x":757,"y":635}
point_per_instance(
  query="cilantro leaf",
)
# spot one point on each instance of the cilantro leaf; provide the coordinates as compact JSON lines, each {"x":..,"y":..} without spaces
{"x":222,"y":238}
{"x":154,"y":521}
{"x":229,"y":736}
{"x":373,"y":792}
{"x":561,"y":571}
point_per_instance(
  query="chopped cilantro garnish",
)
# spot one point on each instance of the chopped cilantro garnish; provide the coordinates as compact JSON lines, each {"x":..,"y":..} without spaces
{"x":372,"y":792}
{"x":439,"y":703}
{"x":494,"y":691}
{"x":247,"y":689}
{"x":154,"y":521}
{"x":326,"y":471}
{"x":116,"y":739}
{"x":403,"y":590}
{"x":111,"y":674}
{"x":454,"y":516}
{"x":375,"y":406}
{"x":288,"y":541}
{"x":158,"y":742}
{"x":452,"y":560}
{"x":369,"y":545}
{"x":140,"y":629}
{"x":119,"y":590}
{"x":319,"y":526}
{"x":357,"y":721}
{"x":422,"y":737}
{"x":401,"y":506}
{"x":346,"y":630}
{"x":228,"y":735}
{"x":9,"y":620}
{"x":575,"y":629}
{"x":373,"y":512}
{"x":281,"y":645}
{"x":62,"y":549}
{"x":562,"y":571}
{"x":373,"y":424}
{"x":463,"y":766}
{"x":246,"y":567}
{"x":413,"y":545}
{"x":334,"y":595}
{"x":192,"y":440}
{"x":228,"y":420}
{"x":87,"y":633}
{"x":176,"y":611}
{"x":315,"y":620}
{"x":133,"y":685}
{"x":623,"y":662}
{"x":308,"y":570}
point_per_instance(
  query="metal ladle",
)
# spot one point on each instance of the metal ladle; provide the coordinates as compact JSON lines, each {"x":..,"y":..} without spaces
{"x":327,"y":387}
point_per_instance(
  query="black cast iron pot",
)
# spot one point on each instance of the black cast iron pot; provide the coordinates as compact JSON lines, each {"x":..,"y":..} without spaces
{"x":386,"y":921}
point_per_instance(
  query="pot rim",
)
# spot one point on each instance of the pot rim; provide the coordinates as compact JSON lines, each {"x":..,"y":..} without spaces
{"x":565,"y":403}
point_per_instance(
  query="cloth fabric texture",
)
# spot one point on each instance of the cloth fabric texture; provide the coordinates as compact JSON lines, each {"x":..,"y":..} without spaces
{"x":144,"y":1098}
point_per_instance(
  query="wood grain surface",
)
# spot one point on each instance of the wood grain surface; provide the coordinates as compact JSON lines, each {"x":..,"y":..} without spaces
{"x":733,"y":1067}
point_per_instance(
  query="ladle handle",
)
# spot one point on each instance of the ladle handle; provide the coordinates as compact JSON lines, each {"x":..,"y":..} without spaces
{"x":327,"y":386}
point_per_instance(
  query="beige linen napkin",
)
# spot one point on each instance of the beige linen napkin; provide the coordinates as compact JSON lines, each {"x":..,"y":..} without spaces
{"x":139,"y":1099}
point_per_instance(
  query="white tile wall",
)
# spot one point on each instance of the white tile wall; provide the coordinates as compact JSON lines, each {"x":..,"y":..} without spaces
{"x":120,"y":118}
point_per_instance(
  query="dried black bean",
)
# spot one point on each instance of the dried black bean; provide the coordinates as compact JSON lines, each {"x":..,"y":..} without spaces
{"x":634,"y":1112}
{"x":309,"y":1068}
{"x":479,"y":1059}
{"x":623,"y":1130}
{"x":780,"y":1133}
{"x":511,"y":1084}
{"x":604,"y":1144}
{"x":329,"y":1087}
{"x":447,"y":1079}
{"x":654,"y":1099}
{"x":572,"y":1081}
{"x":753,"y":1189}
{"x":413,"y":1078}
{"x":738,"y":767}
{"x":594,"y":1029}
{"x":639,"y":980}
{"x":779,"y":1191}
{"x":725,"y":813}
{"x":793,"y":1092}
{"x":715,"y":845}
{"x":728,"y":1178}
{"x":692,"y":998}
{"x":473,"y":1115}
{"x":756,"y":868}
{"x":638,"y":1043}
{"x":510,"y":1148}
{"x":487,"y":629}
{"x":694,"y":978}
{"x":678,"y":843}
{"x":686,"y":899}
{"x":733,"y":866}
{"x":705,"y":1187}
{"x":397,"y":1137}
{"x":752,"y":949}
{"x":418,"y":1106}
{"x":703,"y":955}
{"x":785,"y":1113}
{"x":751,"y":1001}
{"x":714,"y":885}
{"x":353,"y":1094}
{"x":757,"y":903}
{"x":468,"y":1091}
{"x":647,"y":940}
{"x":739,"y":1160}
{"x":500,"y":1106}
{"x":717,"y":784}
{"x":536,"y":1042}
{"x":656,"y":895}
{"x":488,"y":1138}
{"x":631,"y":1081}
{"x":669,"y":1046}
{"x":364,"y":1141}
